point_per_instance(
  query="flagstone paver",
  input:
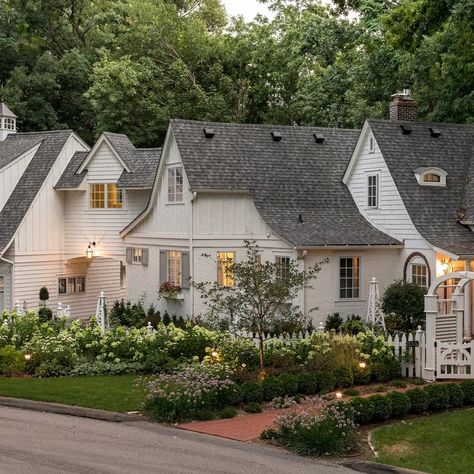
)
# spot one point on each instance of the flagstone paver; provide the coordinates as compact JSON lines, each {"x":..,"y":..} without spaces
{"x":241,"y":428}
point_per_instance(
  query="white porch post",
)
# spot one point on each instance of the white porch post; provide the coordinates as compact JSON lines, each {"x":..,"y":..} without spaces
{"x":468,"y":306}
{"x":458,"y":311}
{"x":431,"y":310}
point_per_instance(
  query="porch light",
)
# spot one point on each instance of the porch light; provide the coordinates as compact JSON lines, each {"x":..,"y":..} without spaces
{"x":90,"y":250}
{"x":445,"y":266}
{"x":362,"y":364}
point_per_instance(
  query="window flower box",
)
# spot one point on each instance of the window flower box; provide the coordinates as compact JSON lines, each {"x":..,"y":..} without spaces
{"x":170,"y":291}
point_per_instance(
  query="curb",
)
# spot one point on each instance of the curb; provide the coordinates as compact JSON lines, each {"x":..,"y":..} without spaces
{"x":70,"y":410}
{"x":377,"y":468}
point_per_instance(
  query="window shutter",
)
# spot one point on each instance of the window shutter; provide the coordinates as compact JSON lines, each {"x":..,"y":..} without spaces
{"x":145,"y":257}
{"x":185,"y":269}
{"x":129,"y":254}
{"x":163,"y":266}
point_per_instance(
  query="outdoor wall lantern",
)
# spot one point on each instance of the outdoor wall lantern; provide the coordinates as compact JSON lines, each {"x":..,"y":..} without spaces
{"x":90,"y":250}
{"x":445,"y":266}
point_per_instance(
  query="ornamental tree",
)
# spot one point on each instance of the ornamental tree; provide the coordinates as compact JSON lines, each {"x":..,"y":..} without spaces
{"x":262,"y":296}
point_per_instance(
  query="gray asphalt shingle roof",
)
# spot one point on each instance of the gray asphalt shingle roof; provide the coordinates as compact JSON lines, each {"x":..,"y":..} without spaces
{"x":142,"y":163}
{"x":70,"y":179}
{"x":435,"y":211}
{"x":288,"y":178}
{"x":31,"y":181}
{"x":14,"y":146}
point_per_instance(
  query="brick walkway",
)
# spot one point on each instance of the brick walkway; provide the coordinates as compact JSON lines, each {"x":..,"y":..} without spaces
{"x":241,"y":428}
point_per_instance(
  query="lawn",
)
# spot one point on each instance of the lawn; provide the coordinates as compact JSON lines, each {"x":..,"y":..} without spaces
{"x":438,"y":444}
{"x":114,"y":392}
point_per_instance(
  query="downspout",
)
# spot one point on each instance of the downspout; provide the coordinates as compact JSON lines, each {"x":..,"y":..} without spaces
{"x":301,"y":257}
{"x":12,"y":280}
{"x":191,"y":252}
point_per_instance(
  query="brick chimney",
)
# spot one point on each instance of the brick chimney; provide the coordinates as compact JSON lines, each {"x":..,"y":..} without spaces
{"x":403,"y":107}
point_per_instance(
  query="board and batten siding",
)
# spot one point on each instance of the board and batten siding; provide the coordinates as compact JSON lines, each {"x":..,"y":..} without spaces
{"x":391,"y":216}
{"x":11,"y":174}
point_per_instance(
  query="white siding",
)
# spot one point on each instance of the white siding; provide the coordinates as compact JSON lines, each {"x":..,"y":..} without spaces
{"x":11,"y":174}
{"x":391,"y":215}
{"x":5,"y":272}
{"x":104,"y":166}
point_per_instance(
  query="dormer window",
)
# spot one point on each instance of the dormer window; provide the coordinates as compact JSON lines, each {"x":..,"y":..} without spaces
{"x":431,"y":176}
{"x":373,"y":190}
{"x":371,"y":144}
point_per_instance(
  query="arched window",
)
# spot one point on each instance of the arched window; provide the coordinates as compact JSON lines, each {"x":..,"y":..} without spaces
{"x":417,"y":270}
{"x":431,"y":176}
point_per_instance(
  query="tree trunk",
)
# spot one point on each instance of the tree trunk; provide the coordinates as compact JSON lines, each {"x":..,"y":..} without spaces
{"x":260,"y":348}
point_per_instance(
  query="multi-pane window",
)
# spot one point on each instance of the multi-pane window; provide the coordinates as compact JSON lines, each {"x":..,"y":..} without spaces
{"x":175,"y":184}
{"x":419,"y":274}
{"x":372,"y":190}
{"x":104,"y":196}
{"x":137,"y":255}
{"x":349,"y":277}
{"x":175,"y":262}
{"x":225,"y":276}
{"x":71,"y":285}
{"x":431,"y":178}
{"x":283,"y":266}
{"x":9,"y":123}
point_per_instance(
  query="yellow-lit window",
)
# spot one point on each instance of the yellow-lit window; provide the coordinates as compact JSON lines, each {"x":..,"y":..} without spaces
{"x":114,"y":197}
{"x":175,"y":261}
{"x":431,"y":178}
{"x":225,"y":276}
{"x":97,"y":196}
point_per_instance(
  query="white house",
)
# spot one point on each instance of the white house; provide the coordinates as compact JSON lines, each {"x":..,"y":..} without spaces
{"x":62,"y":206}
{"x":390,"y":201}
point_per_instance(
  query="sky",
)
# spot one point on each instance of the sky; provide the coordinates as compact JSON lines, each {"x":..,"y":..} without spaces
{"x":248,"y":8}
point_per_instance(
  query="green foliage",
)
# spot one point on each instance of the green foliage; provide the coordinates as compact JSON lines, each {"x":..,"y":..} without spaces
{"x":404,"y":303}
{"x":351,"y":392}
{"x":468,"y":389}
{"x":251,"y":391}
{"x":333,"y":322}
{"x":455,"y":394}
{"x":344,"y":377}
{"x":418,"y":400}
{"x":253,"y":407}
{"x":124,"y":313}
{"x":326,"y":382}
{"x":45,"y":314}
{"x":353,"y":325}
{"x":364,"y":410}
{"x":438,"y":397}
{"x":44,"y":295}
{"x":12,"y":361}
{"x":228,"y":412}
{"x":272,"y":387}
{"x":382,"y":407}
{"x":400,"y":403}
{"x":308,"y":383}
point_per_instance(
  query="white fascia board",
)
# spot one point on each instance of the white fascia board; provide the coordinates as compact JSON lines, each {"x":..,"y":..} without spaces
{"x":356,"y":152}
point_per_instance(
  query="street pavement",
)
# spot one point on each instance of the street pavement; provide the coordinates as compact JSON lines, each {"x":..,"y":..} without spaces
{"x":37,"y":442}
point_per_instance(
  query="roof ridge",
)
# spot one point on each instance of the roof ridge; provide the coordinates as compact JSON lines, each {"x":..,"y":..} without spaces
{"x":420,"y":122}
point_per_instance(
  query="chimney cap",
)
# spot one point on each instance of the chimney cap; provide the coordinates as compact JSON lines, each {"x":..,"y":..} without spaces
{"x":405,"y":94}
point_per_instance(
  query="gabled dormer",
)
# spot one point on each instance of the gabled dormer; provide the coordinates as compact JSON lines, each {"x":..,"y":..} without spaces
{"x":7,"y":121}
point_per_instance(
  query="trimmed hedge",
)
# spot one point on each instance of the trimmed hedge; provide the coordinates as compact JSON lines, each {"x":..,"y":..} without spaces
{"x":431,"y":398}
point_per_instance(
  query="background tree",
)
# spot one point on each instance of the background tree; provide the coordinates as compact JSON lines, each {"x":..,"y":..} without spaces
{"x":263,"y":295}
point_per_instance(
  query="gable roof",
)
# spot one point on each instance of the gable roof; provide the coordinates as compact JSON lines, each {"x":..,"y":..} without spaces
{"x":71,"y":179}
{"x":287,"y":179}
{"x":435,"y":211}
{"x":14,"y":146}
{"x":20,"y":200}
{"x":140,"y":164}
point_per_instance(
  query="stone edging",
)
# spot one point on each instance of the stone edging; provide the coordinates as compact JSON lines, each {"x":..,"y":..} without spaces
{"x":377,"y":468}
{"x":70,"y":410}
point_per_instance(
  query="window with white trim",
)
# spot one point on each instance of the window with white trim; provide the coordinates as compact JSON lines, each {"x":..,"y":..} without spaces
{"x":371,"y":144}
{"x":432,"y":176}
{"x":283,"y":266}
{"x":9,"y":123}
{"x":349,"y":277}
{"x":417,"y":271}
{"x":225,"y":276}
{"x":71,"y":285}
{"x":105,"y":196}
{"x":175,"y":184}
{"x":175,"y":262}
{"x":372,"y":190}
{"x":2,"y":289}
{"x":137,"y":255}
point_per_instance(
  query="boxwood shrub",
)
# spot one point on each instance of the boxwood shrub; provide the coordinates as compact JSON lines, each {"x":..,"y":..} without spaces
{"x":455,"y":394}
{"x":468,"y":389}
{"x":438,"y":397}
{"x":326,"y":381}
{"x":272,"y":387}
{"x":308,"y":383}
{"x":251,"y":391}
{"x":400,"y":404}
{"x":344,"y":377}
{"x":382,"y":407}
{"x":289,"y":383}
{"x":363,"y":410}
{"x":418,"y":400}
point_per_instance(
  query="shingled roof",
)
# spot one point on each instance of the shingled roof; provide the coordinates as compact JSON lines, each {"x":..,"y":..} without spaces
{"x":142,"y":163}
{"x":14,"y":146}
{"x":436,"y":212}
{"x":20,"y":200}
{"x":295,"y":182}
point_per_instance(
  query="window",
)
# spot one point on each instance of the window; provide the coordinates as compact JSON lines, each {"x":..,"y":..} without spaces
{"x":97,"y":196}
{"x":372,"y":190}
{"x":349,"y":277}
{"x":9,"y":123}
{"x":371,"y":144}
{"x":114,"y":197}
{"x":137,"y":255}
{"x":417,"y":270}
{"x":175,"y":185}
{"x":105,"y":196}
{"x":224,"y":276}
{"x":258,"y":262}
{"x":71,"y":285}
{"x":175,"y":260}
{"x":283,"y":265}
{"x":431,"y":178}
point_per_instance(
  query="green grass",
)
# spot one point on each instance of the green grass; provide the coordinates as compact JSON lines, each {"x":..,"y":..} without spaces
{"x":114,"y":392}
{"x":438,"y":444}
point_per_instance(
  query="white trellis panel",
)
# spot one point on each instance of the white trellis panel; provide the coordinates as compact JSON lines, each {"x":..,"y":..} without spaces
{"x":454,"y":361}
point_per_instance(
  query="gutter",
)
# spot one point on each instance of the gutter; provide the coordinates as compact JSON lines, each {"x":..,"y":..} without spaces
{"x":349,"y":246}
